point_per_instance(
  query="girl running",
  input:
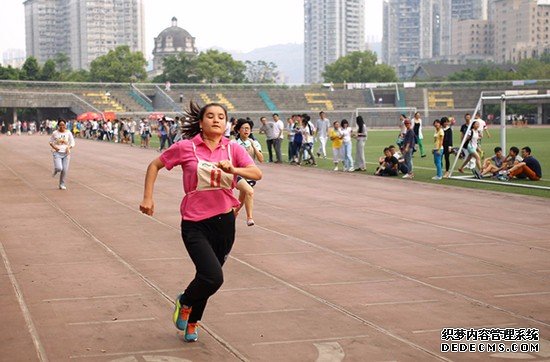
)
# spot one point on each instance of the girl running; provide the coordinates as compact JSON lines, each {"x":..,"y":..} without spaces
{"x":210,"y":164}
{"x":243,"y":129}
{"x":61,"y":141}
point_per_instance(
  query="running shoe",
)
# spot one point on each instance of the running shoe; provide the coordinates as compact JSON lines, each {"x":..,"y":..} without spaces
{"x":335,"y":168}
{"x":181,"y":315}
{"x":192,"y":332}
{"x":476,"y":174}
{"x":250,"y":222}
{"x":503,"y":178}
{"x":62,"y":187}
{"x":436,"y":178}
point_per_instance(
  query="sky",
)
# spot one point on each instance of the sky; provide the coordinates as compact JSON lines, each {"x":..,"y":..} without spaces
{"x":236,"y":25}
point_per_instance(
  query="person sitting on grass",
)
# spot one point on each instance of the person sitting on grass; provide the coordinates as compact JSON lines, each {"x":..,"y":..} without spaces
{"x":389,"y":165}
{"x":493,"y":165}
{"x":529,"y":168}
{"x":512,"y":159}
{"x":402,"y":167}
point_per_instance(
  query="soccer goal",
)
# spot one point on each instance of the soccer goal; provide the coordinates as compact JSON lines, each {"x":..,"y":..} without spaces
{"x":384,"y":116}
{"x":503,"y":99}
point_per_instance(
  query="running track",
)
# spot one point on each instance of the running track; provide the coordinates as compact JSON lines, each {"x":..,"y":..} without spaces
{"x":338,"y":267}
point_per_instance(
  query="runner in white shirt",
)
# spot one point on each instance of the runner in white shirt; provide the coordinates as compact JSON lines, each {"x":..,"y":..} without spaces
{"x":61,"y":141}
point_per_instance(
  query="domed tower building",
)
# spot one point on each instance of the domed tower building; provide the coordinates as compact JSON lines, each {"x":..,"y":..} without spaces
{"x":172,"y":41}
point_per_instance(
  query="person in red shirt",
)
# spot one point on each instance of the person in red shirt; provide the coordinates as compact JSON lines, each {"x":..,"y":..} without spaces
{"x":210,"y":164}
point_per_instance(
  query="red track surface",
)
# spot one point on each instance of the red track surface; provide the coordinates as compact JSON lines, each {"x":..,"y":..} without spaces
{"x":338,"y":267}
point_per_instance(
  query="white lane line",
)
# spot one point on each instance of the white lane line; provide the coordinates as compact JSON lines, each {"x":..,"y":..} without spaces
{"x":111,"y":321}
{"x":310,"y":340}
{"x":381,"y":249}
{"x":266,"y":311}
{"x":280,"y":253}
{"x":41,"y":353}
{"x":355,"y":282}
{"x":520,"y":294}
{"x":92,"y":297}
{"x":134,"y":352}
{"x":401,"y":302}
{"x":420,"y":331}
{"x":68,"y":263}
{"x":465,"y":276}
{"x":161,"y":259}
{"x":244,"y":289}
{"x":466,"y":244}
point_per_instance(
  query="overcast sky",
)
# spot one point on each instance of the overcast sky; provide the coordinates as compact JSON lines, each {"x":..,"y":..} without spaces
{"x":239,"y":25}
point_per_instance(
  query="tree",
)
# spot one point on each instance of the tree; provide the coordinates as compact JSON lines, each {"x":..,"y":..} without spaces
{"x":62,"y":63}
{"x":213,"y":66}
{"x":81,"y":75}
{"x":261,"y":71}
{"x":48,"y":71}
{"x":178,"y":69}
{"x":358,"y":67}
{"x":30,"y":69}
{"x":9,"y":73}
{"x":120,"y":65}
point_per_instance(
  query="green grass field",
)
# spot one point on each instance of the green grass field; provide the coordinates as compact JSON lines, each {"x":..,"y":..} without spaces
{"x":536,"y":138}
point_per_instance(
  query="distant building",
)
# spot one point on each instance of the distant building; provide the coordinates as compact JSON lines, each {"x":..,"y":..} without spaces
{"x":415,"y":31}
{"x":171,"y":41}
{"x":332,"y":29}
{"x":521,"y":29}
{"x":469,"y":9}
{"x":472,"y":40}
{"x":82,"y":29}
{"x":13,"y":57}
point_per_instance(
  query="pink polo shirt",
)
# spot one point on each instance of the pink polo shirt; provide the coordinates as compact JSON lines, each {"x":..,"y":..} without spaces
{"x":201,"y":205}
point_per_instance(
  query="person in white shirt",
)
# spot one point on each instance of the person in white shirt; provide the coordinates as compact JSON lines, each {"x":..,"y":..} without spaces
{"x":61,"y":141}
{"x":280,"y":126}
{"x":346,"y":138}
{"x":243,"y":128}
{"x":132,"y":126}
{"x":322,"y":125}
{"x":307,"y":130}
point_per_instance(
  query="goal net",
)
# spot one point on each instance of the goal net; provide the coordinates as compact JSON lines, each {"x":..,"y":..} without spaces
{"x":384,"y":116}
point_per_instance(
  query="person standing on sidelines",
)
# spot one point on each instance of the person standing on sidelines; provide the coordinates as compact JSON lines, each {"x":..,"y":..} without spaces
{"x":345,"y":131}
{"x":336,"y":139}
{"x":439,"y":135}
{"x":132,"y":128}
{"x":418,"y":133}
{"x":61,"y":141}
{"x":447,"y":143}
{"x":280,"y":125}
{"x":360,"y":164}
{"x":321,"y":131}
{"x":408,"y":147}
{"x":210,"y":164}
{"x":271,"y":131}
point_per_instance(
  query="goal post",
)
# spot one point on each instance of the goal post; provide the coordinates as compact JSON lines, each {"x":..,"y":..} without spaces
{"x":503,"y":99}
{"x":384,"y":116}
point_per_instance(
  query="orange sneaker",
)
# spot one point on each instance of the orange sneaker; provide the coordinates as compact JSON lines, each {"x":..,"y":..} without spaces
{"x":181,"y":315}
{"x":192,"y":332}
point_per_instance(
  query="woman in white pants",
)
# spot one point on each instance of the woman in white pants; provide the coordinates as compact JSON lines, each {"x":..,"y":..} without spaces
{"x":360,"y":164}
{"x":61,"y":141}
{"x":346,"y":138}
